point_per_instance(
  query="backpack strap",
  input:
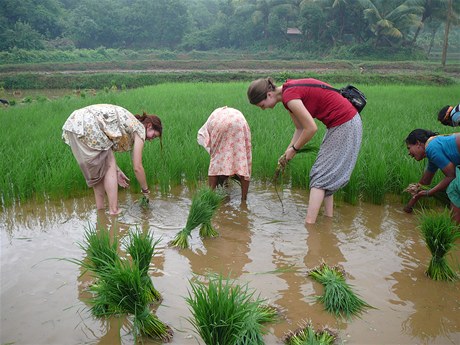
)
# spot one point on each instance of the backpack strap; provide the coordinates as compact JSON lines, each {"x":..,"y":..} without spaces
{"x":322,"y":86}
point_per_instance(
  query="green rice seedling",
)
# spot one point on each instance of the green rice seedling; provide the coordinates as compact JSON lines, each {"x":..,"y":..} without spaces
{"x":144,"y":202}
{"x":123,"y":288}
{"x":200,"y":213}
{"x":267,"y":313}
{"x":338,"y":298}
{"x":100,"y":248}
{"x":214,"y":199}
{"x":226,"y":313}
{"x":440,"y":233}
{"x":141,"y":247}
{"x":307,"y":335}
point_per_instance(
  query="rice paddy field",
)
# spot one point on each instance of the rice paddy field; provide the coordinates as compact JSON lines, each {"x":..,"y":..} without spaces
{"x":46,"y":207}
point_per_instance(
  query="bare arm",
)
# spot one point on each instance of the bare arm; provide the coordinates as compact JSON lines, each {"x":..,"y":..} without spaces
{"x":449,"y":172}
{"x":305,"y":126}
{"x":137,"y":162}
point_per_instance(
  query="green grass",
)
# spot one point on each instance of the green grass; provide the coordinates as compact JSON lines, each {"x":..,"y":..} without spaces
{"x":307,"y":335}
{"x":224,"y":312}
{"x":338,"y":298}
{"x":204,"y":205}
{"x":36,"y":164}
{"x":440,"y":233}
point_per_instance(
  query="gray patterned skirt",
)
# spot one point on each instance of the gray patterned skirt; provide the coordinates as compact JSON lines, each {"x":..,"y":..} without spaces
{"x":337,"y":156}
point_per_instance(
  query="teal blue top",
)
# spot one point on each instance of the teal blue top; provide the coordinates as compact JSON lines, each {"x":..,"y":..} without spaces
{"x":440,"y":151}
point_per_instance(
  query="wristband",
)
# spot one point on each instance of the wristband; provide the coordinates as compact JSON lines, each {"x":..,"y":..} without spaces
{"x":293,"y":147}
{"x":145,"y":191}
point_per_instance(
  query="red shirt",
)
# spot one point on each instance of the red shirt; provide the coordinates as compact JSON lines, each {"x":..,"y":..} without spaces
{"x":328,"y":106}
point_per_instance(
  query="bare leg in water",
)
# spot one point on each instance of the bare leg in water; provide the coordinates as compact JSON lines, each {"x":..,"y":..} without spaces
{"x":109,"y":186}
{"x":317,"y":196}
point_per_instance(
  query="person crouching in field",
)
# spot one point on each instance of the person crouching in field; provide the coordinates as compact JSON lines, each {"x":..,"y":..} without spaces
{"x":442,"y":152}
{"x":94,"y":133}
{"x":227,"y":138}
{"x":450,"y":116}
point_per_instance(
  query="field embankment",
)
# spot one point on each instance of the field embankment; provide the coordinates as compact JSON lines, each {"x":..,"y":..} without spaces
{"x":137,"y":73}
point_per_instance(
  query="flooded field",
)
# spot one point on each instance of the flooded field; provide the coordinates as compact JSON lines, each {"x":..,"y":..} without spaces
{"x":380,"y":247}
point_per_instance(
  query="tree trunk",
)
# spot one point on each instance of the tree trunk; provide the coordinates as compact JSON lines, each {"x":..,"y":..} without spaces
{"x":446,"y":33}
{"x":433,"y":34}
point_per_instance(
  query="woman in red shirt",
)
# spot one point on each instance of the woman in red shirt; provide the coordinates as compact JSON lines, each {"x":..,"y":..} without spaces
{"x":340,"y":147}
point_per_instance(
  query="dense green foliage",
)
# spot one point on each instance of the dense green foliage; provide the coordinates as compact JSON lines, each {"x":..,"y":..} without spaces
{"x":352,"y":28}
{"x":440,"y":232}
{"x":36,"y":163}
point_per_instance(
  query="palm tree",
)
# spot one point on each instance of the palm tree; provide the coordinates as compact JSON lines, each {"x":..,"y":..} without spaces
{"x":390,"y":25}
{"x":452,"y":17}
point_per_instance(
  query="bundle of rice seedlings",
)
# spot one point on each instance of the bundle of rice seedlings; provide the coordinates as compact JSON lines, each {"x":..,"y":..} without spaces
{"x":226,"y":313}
{"x":214,"y":199}
{"x":141,"y":248}
{"x":440,"y":233}
{"x":200,"y":212}
{"x":122,"y":288}
{"x":282,"y":162}
{"x":338,"y":298}
{"x":307,"y":335}
{"x":101,"y":250}
{"x":414,"y":188}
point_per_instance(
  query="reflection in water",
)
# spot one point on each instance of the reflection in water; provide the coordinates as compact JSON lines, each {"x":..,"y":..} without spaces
{"x":227,"y":253}
{"x":42,"y":299}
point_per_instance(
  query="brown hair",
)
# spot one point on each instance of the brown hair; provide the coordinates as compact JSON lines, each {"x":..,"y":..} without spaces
{"x":258,"y":89}
{"x":154,"y":120}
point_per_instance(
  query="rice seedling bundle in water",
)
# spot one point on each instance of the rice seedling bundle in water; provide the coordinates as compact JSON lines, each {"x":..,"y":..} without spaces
{"x":214,"y":199}
{"x":123,"y":289}
{"x":227,"y":313}
{"x":307,"y":335}
{"x":338,"y":298}
{"x":101,"y":250}
{"x":440,"y":233}
{"x":144,"y":202}
{"x":204,"y":205}
{"x":141,"y":248}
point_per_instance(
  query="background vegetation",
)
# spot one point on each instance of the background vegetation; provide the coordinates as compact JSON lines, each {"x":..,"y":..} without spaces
{"x":371,"y":29}
{"x":37,"y":164}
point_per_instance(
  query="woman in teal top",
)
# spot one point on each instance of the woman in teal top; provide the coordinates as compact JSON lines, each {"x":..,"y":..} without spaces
{"x":443,"y":152}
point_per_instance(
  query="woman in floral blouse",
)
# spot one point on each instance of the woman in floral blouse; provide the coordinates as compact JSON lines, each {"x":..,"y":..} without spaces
{"x":94,"y":133}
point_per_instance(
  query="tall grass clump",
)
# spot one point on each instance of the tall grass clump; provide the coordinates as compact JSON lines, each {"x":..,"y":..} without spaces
{"x":122,"y":286}
{"x":101,"y":250}
{"x":440,"y":233}
{"x":141,"y":247}
{"x":224,"y":312}
{"x":123,"y":289}
{"x":307,"y":335}
{"x":338,"y":298}
{"x":204,"y":205}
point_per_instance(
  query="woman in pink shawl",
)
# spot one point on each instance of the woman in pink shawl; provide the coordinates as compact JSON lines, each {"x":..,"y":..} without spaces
{"x":227,"y":138}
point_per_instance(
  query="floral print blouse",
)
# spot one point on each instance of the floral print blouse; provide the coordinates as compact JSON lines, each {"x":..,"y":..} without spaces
{"x":104,"y":126}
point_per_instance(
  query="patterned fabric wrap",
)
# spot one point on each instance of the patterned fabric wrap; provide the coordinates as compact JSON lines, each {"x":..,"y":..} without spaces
{"x":227,"y":138}
{"x":104,"y":126}
{"x":453,"y":190}
{"x":337,"y":156}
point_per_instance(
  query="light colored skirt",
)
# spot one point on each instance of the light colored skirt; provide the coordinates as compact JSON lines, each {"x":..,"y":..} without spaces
{"x":227,"y":138}
{"x":93,"y":163}
{"x":337,"y":156}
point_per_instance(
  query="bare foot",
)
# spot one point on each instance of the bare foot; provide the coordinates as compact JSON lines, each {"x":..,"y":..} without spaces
{"x":115,"y":213}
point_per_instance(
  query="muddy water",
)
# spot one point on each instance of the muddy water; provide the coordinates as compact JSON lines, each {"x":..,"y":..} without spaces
{"x":43,"y":298}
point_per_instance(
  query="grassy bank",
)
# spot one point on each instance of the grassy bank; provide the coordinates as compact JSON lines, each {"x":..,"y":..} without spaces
{"x":37,"y":164}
